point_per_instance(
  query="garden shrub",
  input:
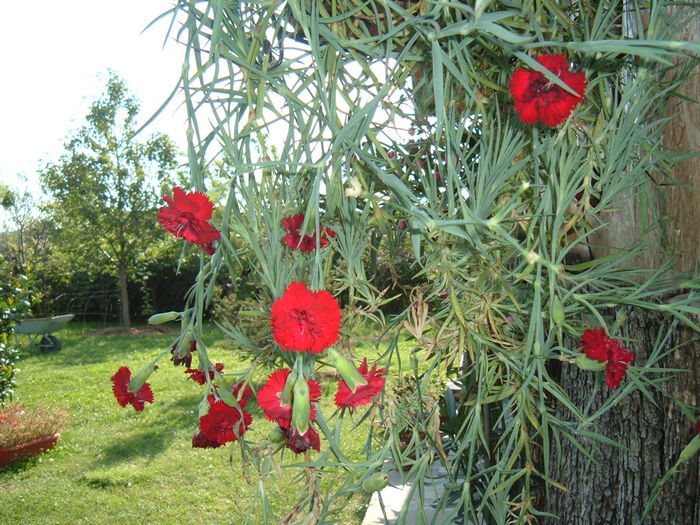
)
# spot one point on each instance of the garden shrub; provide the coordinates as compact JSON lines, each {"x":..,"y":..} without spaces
{"x":14,"y":305}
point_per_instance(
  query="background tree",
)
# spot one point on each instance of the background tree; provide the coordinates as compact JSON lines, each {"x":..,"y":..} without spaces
{"x":106,"y":187}
{"x":24,"y":242}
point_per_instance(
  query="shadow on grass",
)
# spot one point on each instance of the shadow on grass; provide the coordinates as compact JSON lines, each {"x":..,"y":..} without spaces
{"x":148,"y":443}
{"x":20,"y":465}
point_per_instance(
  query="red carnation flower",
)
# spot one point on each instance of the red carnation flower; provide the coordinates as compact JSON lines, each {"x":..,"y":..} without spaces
{"x":198,"y":376}
{"x":298,"y":442}
{"x":186,"y":217}
{"x":537,"y":98}
{"x":270,"y":397}
{"x":363,"y":394}
{"x":307,"y":243}
{"x":120,"y":387}
{"x":223,"y":423}
{"x":599,"y":346}
{"x":302,"y":320}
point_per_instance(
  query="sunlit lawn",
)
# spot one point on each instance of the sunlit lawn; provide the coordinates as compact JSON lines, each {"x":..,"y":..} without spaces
{"x":114,"y":465}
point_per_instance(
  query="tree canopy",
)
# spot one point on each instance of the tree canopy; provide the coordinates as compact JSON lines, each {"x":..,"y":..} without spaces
{"x":105,"y":188}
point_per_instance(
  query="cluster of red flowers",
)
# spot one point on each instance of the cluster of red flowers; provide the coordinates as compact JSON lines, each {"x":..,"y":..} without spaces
{"x":301,"y":321}
{"x":599,"y":346}
{"x":306,"y":321}
{"x":296,"y":241}
{"x":538,"y":98}
{"x":187,"y":216}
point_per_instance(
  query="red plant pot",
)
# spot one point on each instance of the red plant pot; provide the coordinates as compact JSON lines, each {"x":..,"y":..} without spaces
{"x":30,"y":448}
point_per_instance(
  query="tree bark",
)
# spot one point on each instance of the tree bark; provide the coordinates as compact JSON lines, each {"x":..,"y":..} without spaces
{"x":124,"y":296}
{"x":616,"y":487}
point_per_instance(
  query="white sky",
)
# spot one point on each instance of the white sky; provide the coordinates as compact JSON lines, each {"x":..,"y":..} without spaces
{"x":54,"y":57}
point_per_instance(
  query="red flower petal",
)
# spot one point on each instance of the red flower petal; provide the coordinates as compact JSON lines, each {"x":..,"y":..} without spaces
{"x":223,"y":423}
{"x":120,"y":388}
{"x":594,"y":343}
{"x":199,"y":440}
{"x":519,"y":83}
{"x":293,"y":223}
{"x":363,"y":394}
{"x":616,"y":368}
{"x":307,"y":243}
{"x":242,"y":397}
{"x":599,"y":346}
{"x":270,"y":400}
{"x":198,"y":376}
{"x":302,"y":320}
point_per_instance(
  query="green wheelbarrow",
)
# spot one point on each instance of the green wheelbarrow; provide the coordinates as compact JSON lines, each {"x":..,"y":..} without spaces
{"x":43,"y":327}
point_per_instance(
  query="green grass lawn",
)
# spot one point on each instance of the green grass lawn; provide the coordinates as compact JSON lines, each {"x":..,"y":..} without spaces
{"x":113,"y":465}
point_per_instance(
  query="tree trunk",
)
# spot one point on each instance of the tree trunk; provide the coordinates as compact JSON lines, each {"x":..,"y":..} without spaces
{"x":124,"y":296}
{"x":616,"y":487}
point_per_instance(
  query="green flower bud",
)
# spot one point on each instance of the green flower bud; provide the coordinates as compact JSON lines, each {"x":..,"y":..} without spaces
{"x":301,"y":406}
{"x":288,"y":391}
{"x":346,"y":370}
{"x":141,"y":377}
{"x":203,"y":408}
{"x":557,"y":311}
{"x":585,"y":363}
{"x":163,"y":317}
{"x":375,"y":482}
{"x":278,"y":436}
{"x":690,"y":450}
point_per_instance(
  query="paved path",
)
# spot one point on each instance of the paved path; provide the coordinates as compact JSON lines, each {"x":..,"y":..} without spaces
{"x":395,"y":497}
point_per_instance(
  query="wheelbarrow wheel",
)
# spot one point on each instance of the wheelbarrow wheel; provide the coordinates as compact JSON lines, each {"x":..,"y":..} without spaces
{"x":50,"y":343}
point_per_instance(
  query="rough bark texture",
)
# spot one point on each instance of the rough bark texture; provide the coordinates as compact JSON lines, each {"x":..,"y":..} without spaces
{"x":616,"y":487}
{"x":683,"y":135}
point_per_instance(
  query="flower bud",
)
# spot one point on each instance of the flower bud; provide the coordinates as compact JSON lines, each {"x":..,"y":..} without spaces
{"x":301,"y":407}
{"x":225,"y":393}
{"x":585,"y":363}
{"x":690,"y":450}
{"x":557,"y":311}
{"x":375,"y":482}
{"x":278,"y":436}
{"x":203,"y":408}
{"x":346,"y":370}
{"x":163,"y":317}
{"x":141,"y":377}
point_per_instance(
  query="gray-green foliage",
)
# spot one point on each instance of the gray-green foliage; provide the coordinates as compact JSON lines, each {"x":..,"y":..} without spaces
{"x":106,"y":187}
{"x":411,"y":100}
